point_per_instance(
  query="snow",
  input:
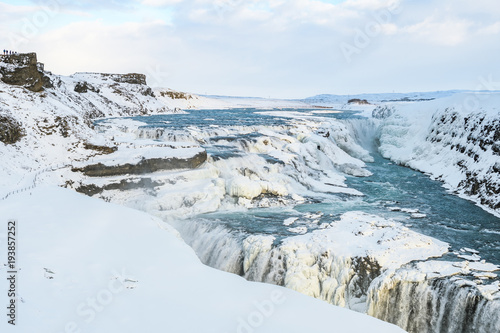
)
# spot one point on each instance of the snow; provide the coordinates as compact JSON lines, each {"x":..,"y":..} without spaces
{"x":290,"y":221}
{"x":448,"y":140}
{"x":298,"y":230}
{"x":93,"y":266}
{"x":195,"y":101}
{"x":358,"y":234}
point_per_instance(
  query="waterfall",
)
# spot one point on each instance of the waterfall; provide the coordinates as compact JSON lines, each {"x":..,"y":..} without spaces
{"x":447,"y":305}
{"x":362,"y":262}
{"x":404,"y":295}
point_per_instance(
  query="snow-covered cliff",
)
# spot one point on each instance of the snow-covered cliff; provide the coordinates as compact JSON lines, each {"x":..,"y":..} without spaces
{"x":445,"y":138}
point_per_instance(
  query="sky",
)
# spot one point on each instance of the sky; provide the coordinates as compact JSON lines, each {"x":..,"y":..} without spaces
{"x":266,"y":48}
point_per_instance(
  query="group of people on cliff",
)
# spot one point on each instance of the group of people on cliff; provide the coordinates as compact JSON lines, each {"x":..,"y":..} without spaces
{"x":9,"y":52}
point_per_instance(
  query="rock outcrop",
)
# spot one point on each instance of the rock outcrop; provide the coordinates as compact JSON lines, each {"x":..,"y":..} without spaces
{"x":84,"y":87}
{"x":24,"y":70}
{"x":144,"y":166}
{"x":131,"y":78}
{"x":11,"y":130}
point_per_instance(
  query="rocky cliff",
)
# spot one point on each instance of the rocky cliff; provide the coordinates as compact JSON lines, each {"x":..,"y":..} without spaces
{"x":24,"y":70}
{"x":457,"y":145}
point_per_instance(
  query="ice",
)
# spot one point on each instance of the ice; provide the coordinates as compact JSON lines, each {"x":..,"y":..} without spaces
{"x":290,"y":221}
{"x":410,"y":210}
{"x":473,"y":257}
{"x":298,"y":230}
{"x":466,"y":249}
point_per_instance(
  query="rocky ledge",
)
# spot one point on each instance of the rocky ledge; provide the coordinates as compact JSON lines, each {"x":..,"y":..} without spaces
{"x":144,"y":166}
{"x":24,"y":70}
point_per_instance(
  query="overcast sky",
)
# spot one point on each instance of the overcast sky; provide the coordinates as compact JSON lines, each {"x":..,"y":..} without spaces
{"x":267,"y":48}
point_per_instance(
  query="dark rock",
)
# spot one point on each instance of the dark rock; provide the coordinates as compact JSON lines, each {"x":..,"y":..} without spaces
{"x":132,"y":78}
{"x":11,"y":130}
{"x":175,"y":94}
{"x":83,"y":87}
{"x":100,"y":149}
{"x":382,"y":112}
{"x":496,"y":148}
{"x":89,"y":190}
{"x":24,"y":70}
{"x":144,"y":166}
{"x":148,"y":92}
{"x":358,"y":101}
{"x":367,"y":269}
{"x":123,"y":185}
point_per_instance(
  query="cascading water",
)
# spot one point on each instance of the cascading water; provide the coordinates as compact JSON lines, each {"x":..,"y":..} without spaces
{"x":276,"y":174}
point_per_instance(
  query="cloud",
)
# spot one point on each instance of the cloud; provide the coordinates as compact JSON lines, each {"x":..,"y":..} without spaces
{"x":441,"y":31}
{"x":492,"y":29}
{"x":160,"y":3}
{"x":282,"y":48}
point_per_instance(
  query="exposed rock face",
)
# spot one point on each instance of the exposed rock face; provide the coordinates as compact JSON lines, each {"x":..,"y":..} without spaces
{"x":474,"y":137}
{"x":23,"y":70}
{"x":100,"y":149}
{"x":358,"y":101}
{"x":83,"y":87}
{"x":123,"y":185}
{"x":11,"y":130}
{"x":131,"y":78}
{"x":175,"y":94}
{"x":144,"y":166}
{"x":383,"y":112}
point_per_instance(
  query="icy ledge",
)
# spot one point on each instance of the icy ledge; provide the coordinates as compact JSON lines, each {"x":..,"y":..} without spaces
{"x":97,"y":267}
